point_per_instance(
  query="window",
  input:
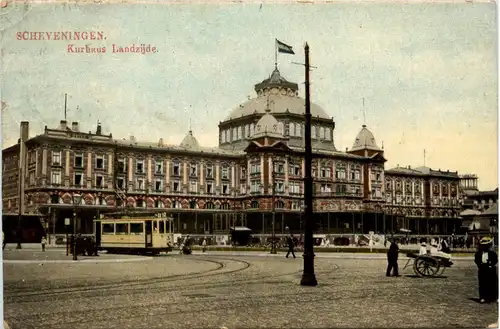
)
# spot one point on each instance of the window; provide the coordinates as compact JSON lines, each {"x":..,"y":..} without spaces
{"x":325,"y":188}
{"x":78,"y":179}
{"x":56,"y":177}
{"x":223,"y":137}
{"x":279,"y":204}
{"x":209,"y":171}
{"x":325,"y":172}
{"x":243,"y":173}
{"x":193,"y":204}
{"x":279,"y":168}
{"x":295,"y":205}
{"x":235,"y":134}
{"x":210,"y":188}
{"x":108,"y":228}
{"x":99,"y":181}
{"x":294,"y":170}
{"x":193,"y":186}
{"x":313,"y":132}
{"x":140,"y":184}
{"x":243,"y":188}
{"x":139,"y":166}
{"x":159,"y":204}
{"x":280,"y":187}
{"x":341,"y":189}
{"x":141,"y":204}
{"x":120,"y":182}
{"x":328,"y":135}
{"x":408,"y":188}
{"x":378,"y":176}
{"x":159,"y":167}
{"x":31,"y":178}
{"x":298,"y":131}
{"x":121,"y":166}
{"x":176,"y":204}
{"x":99,"y":162}
{"x":159,"y":227}
{"x":209,"y":205}
{"x":294,"y":188}
{"x":252,"y":129}
{"x":322,"y":133}
{"x":255,"y":168}
{"x":121,"y":229}
{"x":292,"y":129}
{"x":255,"y":205}
{"x":254,"y":187}
{"x":136,"y":228}
{"x":79,"y":160}
{"x":225,"y":189}
{"x":177,"y":187}
{"x":225,"y":172}
{"x":56,"y":158}
{"x":177,"y":169}
{"x":240,"y":135}
{"x":388,"y":186}
{"x":340,"y":174}
{"x":159,"y":185}
{"x":247,"y":130}
{"x":193,"y":170}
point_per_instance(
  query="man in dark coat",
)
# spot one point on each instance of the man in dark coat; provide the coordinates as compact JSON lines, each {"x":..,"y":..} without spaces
{"x":486,"y":260}
{"x":291,"y":245}
{"x":392,"y":259}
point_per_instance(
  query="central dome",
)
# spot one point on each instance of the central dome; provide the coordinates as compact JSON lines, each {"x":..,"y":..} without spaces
{"x":282,"y":96}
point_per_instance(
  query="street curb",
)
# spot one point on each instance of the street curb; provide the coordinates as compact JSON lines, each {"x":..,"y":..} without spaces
{"x":82,"y":261}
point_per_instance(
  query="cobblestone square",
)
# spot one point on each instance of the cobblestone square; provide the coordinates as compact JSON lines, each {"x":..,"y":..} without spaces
{"x":244,"y":291}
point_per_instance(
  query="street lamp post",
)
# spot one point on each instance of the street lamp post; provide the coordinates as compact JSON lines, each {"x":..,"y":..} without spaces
{"x":308,"y":276}
{"x":76,"y":202}
{"x":273,"y":245}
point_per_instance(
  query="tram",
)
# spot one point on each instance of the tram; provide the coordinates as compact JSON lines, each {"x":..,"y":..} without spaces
{"x":134,"y":234}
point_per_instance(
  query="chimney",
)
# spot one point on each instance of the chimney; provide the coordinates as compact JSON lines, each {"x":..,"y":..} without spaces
{"x":25,"y":125}
{"x":99,"y":129}
{"x":74,"y":126}
{"x":63,"y":125}
{"x":160,"y":142}
{"x":409,"y":167}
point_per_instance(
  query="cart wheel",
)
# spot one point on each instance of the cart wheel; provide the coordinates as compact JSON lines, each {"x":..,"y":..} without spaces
{"x":426,"y":267}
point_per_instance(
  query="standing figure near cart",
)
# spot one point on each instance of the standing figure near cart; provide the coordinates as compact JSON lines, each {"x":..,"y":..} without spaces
{"x":486,"y":260}
{"x":291,"y":245}
{"x":392,"y":259}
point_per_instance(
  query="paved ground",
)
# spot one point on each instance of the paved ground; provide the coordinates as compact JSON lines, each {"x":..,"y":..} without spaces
{"x":215,"y":290}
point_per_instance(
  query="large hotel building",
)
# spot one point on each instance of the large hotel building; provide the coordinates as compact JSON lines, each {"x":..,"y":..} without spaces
{"x":254,"y":175}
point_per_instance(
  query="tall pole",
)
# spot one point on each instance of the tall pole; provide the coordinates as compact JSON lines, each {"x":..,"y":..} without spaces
{"x":276,"y":54}
{"x":273,"y":245}
{"x":74,"y":237}
{"x":65,"y":103}
{"x":308,"y":276}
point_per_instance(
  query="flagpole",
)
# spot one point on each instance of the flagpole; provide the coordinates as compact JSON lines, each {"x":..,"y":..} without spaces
{"x":276,"y":53}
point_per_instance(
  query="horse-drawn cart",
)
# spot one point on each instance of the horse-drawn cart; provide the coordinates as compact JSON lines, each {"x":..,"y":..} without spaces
{"x":428,"y":265}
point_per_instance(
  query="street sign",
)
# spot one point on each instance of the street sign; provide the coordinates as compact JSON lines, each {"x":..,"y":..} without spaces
{"x":66,"y":221}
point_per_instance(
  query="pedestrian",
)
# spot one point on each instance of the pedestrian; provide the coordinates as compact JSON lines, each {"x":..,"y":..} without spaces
{"x":204,"y":245}
{"x":486,"y":260}
{"x":43,"y":242}
{"x":423,"y":248}
{"x":291,"y":244}
{"x":444,"y":246}
{"x":392,"y":259}
{"x":3,"y":241}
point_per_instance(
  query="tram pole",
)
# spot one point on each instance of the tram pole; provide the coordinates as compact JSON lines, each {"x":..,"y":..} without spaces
{"x":308,"y":276}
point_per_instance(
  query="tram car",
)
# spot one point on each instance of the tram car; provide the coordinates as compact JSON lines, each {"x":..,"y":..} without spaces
{"x":140,"y":235}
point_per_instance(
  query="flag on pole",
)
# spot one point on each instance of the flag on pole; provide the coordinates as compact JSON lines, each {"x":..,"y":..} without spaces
{"x":284,"y":48}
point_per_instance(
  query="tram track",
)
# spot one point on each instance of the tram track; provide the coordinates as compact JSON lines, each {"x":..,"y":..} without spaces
{"x":136,"y":284}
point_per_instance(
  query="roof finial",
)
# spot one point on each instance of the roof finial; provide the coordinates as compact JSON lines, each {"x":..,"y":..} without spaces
{"x":364,"y":113}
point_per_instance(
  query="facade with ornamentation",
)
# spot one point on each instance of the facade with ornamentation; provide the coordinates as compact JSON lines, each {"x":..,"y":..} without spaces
{"x":255,"y":175}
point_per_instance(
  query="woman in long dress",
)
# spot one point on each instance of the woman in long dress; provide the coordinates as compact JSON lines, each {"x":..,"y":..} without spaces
{"x":486,"y":260}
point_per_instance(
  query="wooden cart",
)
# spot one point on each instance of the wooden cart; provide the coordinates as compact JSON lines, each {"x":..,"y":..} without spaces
{"x":428,"y":265}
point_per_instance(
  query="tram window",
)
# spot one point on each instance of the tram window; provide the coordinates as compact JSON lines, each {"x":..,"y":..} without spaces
{"x":155,"y":226}
{"x":108,"y":228}
{"x":162,"y":226}
{"x":136,"y":228}
{"x":121,"y":228}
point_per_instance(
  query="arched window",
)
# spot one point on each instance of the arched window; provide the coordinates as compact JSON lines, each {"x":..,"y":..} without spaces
{"x":193,"y":204}
{"x":176,"y":204}
{"x":228,"y":137}
{"x":298,"y":130}
{"x":280,"y":127}
{"x":209,"y":205}
{"x":235,"y":134}
{"x":292,"y":129}
{"x":247,"y":130}
{"x":279,"y":204}
{"x":322,"y":133}
{"x":313,"y":132}
{"x":328,"y":134}
{"x":240,"y":134}
{"x":226,"y":206}
{"x":223,"y":137}
{"x":252,"y":129}
{"x":159,"y":204}
{"x":255,"y":205}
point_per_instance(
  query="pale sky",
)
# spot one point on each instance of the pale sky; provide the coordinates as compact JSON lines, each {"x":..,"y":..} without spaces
{"x":427,"y":72}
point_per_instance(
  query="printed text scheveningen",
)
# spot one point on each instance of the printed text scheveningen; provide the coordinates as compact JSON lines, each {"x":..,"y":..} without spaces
{"x":68,"y":35}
